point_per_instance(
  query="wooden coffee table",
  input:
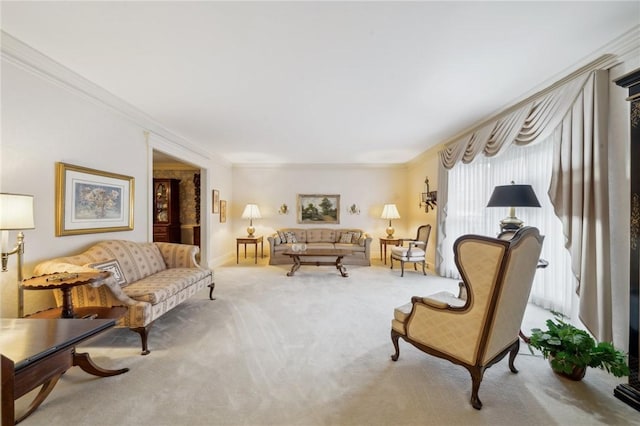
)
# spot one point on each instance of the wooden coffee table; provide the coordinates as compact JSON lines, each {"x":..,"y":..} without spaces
{"x":338,"y":254}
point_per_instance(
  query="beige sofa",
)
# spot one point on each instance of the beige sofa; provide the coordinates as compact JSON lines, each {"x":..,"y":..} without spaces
{"x":356,"y":240}
{"x":149,"y":279}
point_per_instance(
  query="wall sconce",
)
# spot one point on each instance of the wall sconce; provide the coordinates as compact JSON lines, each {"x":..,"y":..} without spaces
{"x":353,"y":209}
{"x":428,"y":198}
{"x":16,"y":214}
{"x":284,"y":209}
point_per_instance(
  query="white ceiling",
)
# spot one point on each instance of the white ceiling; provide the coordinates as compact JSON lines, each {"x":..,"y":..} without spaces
{"x":319,"y":82}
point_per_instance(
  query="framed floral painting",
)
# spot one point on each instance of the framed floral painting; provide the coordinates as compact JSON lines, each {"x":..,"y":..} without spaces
{"x":90,"y":201}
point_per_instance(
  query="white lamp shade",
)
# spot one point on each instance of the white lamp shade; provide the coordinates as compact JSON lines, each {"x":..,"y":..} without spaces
{"x":16,"y":212}
{"x":390,"y":211}
{"x":251,"y":211}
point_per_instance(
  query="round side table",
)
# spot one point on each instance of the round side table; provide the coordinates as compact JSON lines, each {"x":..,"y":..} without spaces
{"x":65,"y":282}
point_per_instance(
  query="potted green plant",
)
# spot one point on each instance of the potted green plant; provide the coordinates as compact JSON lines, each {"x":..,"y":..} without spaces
{"x":571,"y":350}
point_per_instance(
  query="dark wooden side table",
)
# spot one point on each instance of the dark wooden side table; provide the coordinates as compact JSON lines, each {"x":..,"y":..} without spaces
{"x":37,"y":352}
{"x":65,"y":282}
{"x":383,"y":243}
{"x":249,"y":240}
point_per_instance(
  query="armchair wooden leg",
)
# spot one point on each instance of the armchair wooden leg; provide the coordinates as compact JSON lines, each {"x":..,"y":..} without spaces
{"x":402,"y":268}
{"x":476,"y":379}
{"x":512,"y":356}
{"x":394,"y":339}
{"x":424,"y":272}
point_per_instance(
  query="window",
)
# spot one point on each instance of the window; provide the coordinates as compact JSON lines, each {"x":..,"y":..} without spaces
{"x":471,"y":185}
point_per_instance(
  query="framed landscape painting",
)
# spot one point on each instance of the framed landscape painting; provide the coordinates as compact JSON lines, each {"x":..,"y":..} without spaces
{"x":90,"y":201}
{"x":318,"y":208}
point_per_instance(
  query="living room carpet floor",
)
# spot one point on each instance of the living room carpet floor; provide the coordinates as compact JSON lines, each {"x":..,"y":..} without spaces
{"x":312,"y":349}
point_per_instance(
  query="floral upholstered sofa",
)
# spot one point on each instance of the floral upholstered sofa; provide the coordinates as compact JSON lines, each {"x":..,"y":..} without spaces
{"x":356,"y":240}
{"x":149,"y":279}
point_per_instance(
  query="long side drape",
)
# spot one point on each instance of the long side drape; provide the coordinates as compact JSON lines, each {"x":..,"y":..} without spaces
{"x":579,"y":193}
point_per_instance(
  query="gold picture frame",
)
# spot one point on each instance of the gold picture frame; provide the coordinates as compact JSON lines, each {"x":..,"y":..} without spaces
{"x":216,"y":201}
{"x":91,"y":201}
{"x":223,"y":211}
{"x":318,"y":208}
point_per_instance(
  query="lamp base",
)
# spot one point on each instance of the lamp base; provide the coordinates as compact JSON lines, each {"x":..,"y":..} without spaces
{"x":511,"y":223}
{"x":250,"y":231}
{"x":390,"y":232}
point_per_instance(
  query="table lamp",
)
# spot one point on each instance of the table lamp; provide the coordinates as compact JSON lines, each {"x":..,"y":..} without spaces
{"x":512,"y":196}
{"x":251,"y":211}
{"x":16,"y":214}
{"x":389,"y":212}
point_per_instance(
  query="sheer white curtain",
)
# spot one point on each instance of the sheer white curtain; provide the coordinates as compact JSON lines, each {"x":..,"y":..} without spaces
{"x":469,"y":188}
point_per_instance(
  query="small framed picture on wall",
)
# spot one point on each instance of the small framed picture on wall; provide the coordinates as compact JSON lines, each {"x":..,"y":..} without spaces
{"x":223,"y":211}
{"x":216,"y":201}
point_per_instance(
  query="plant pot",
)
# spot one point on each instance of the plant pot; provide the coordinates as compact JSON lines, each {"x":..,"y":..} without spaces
{"x":577,"y":373}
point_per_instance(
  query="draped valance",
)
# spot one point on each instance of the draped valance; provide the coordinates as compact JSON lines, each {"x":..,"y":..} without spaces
{"x":523,"y":125}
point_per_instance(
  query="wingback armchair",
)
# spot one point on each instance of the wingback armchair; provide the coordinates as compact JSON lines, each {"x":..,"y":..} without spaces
{"x":477,"y":327}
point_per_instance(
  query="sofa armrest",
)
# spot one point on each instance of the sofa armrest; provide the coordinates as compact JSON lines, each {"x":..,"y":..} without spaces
{"x":179,"y":255}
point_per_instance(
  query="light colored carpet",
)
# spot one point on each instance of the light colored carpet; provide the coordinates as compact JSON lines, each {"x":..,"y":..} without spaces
{"x":311,"y":350}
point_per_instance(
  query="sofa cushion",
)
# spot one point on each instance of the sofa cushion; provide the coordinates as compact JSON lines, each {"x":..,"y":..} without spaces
{"x":352,"y":247}
{"x":164,"y":284}
{"x":321,"y":235}
{"x":137,"y":260}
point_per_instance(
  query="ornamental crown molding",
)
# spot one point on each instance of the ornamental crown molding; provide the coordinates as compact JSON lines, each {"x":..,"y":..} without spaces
{"x":25,"y":57}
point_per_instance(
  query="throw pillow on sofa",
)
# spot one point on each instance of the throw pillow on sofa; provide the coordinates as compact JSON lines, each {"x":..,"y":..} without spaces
{"x":112,"y":266}
{"x":283,"y":238}
{"x":290,"y":237}
{"x":356,"y":237}
{"x":346,"y":237}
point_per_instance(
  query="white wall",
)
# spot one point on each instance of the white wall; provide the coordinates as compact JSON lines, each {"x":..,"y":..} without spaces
{"x":42,"y":124}
{"x":369,"y":187}
{"x":45,"y":121}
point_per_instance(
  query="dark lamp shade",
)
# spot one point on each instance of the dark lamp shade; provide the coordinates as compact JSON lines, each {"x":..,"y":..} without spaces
{"x":513,"y":196}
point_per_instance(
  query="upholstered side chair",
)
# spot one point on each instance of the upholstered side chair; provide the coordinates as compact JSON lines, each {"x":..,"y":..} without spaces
{"x":479,"y":326}
{"x":414,"y":252}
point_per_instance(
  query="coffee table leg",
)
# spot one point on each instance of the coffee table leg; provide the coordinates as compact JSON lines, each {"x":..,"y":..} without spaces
{"x":340,"y":267}
{"x":85,"y":362}
{"x":45,"y":390}
{"x":295,"y":267}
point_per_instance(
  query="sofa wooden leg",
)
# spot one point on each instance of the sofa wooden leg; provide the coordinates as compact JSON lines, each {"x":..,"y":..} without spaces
{"x":144,"y":334}
{"x":211,"y":287}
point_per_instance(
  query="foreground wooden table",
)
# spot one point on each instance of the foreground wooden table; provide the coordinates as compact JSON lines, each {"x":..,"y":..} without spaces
{"x":37,"y":352}
{"x":338,"y":254}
